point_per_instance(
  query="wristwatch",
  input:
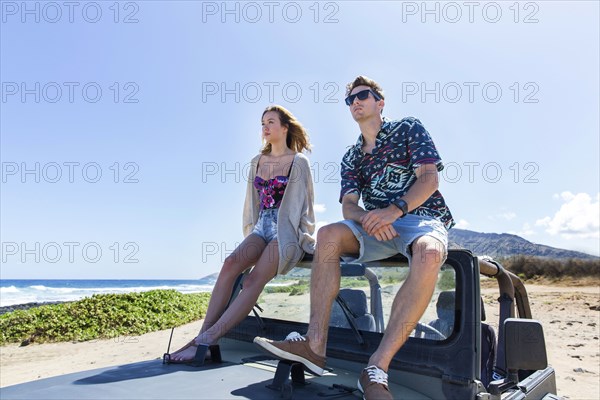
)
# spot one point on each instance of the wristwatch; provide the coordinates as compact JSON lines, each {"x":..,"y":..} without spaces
{"x":402,"y":205}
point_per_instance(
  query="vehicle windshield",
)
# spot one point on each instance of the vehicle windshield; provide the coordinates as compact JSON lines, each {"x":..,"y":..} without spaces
{"x":368,"y":293}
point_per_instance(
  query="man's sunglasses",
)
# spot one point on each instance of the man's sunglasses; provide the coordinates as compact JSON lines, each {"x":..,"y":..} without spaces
{"x":362,"y":95}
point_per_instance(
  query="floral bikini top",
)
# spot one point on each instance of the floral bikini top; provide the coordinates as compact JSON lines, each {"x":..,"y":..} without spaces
{"x":270,"y":191}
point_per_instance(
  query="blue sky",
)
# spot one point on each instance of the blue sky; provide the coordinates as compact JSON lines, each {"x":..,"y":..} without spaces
{"x":126,"y":127}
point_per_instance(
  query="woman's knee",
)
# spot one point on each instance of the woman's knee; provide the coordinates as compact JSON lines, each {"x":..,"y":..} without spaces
{"x":256,"y":281}
{"x":231,"y":268}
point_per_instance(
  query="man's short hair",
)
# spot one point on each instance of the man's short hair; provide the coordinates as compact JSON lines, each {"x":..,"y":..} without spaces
{"x":362,"y":80}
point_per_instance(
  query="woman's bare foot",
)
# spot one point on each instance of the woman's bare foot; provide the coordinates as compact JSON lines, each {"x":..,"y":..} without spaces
{"x":188,"y":352}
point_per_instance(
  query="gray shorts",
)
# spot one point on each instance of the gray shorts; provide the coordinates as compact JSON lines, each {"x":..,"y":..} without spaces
{"x":409,"y":229}
{"x":266,"y":226}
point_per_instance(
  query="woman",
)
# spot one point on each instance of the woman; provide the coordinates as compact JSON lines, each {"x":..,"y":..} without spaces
{"x":278,"y":222}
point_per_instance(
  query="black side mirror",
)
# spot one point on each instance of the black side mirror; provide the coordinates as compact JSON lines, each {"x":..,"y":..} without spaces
{"x":525,"y":345}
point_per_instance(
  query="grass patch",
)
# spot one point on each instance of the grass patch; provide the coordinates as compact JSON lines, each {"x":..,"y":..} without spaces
{"x":446,"y":280}
{"x":392,"y":276}
{"x":285,"y":289}
{"x":302,"y":286}
{"x":103,"y":316}
{"x":353,"y":282}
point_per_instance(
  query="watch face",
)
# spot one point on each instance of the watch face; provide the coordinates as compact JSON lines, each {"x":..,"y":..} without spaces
{"x":401,"y":204}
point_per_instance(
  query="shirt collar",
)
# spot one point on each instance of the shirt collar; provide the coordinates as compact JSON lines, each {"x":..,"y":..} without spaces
{"x":386,"y":128}
{"x":384,"y":131}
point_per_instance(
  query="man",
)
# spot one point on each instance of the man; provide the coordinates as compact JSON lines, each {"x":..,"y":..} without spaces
{"x":394,"y":167}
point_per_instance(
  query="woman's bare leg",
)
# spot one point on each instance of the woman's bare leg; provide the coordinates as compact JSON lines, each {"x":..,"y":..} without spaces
{"x":254,"y":283}
{"x":244,"y":256}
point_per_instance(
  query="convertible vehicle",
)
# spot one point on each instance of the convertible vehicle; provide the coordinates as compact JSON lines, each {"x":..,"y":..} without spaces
{"x":453,"y":353}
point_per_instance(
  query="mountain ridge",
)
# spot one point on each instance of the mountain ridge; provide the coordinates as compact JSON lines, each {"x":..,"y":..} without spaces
{"x":496,"y":245}
{"x":507,"y":245}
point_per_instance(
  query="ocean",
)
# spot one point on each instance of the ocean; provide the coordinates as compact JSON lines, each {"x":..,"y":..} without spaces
{"x":22,"y":291}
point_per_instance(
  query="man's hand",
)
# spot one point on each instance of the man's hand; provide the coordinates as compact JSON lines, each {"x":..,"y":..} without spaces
{"x":385,"y":233}
{"x":374,"y":220}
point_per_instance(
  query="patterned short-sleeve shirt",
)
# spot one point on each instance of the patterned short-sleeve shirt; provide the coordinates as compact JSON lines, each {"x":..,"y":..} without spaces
{"x":388,"y":172}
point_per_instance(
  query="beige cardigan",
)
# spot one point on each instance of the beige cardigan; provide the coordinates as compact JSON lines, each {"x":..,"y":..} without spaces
{"x":295,"y":218}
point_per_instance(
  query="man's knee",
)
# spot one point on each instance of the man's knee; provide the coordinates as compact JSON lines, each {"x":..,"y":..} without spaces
{"x":332,"y":232}
{"x":429,"y":252}
{"x":330,"y":242}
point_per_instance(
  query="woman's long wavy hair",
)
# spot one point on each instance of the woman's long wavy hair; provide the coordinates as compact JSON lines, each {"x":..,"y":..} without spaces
{"x":297,"y":138}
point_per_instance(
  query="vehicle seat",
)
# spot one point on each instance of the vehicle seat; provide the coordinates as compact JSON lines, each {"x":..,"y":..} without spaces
{"x":356,"y":300}
{"x":445,"y":325}
{"x":488,"y":353}
{"x":445,"y":312}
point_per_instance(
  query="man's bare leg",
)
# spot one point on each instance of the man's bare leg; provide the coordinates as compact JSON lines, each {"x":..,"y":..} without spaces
{"x":332,"y":241}
{"x":412,"y":299}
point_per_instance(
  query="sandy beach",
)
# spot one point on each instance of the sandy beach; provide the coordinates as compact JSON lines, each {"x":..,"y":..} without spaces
{"x":570,"y":316}
{"x":571,"y":320}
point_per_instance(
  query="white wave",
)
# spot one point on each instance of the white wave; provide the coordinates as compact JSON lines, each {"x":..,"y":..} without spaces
{"x":9,"y":289}
{"x":41,"y":294}
{"x":38,"y":287}
{"x":12,"y":300}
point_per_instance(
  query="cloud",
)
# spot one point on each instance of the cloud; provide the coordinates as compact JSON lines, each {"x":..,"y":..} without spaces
{"x":578,"y":217}
{"x":462,"y":224}
{"x":526,"y":230}
{"x":507,"y":215}
{"x":319,"y":208}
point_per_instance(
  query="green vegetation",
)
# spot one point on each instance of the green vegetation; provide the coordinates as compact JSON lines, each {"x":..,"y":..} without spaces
{"x":302,"y":286}
{"x":529,"y":267}
{"x":296,"y":289}
{"x":103,"y":316}
{"x":348,"y":282}
{"x":391,"y":276}
{"x":447,"y":279}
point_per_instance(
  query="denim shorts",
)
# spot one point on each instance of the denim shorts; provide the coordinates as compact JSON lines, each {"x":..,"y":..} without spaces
{"x":266,"y":226}
{"x":409,"y":229}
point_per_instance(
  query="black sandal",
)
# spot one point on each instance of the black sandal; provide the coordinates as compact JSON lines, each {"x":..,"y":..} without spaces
{"x":200,"y":356}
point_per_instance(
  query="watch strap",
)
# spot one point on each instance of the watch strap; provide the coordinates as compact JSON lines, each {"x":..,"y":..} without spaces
{"x":402,"y":205}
